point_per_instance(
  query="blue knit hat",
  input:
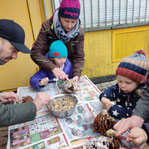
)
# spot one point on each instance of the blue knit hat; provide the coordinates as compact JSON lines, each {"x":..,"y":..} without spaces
{"x":134,"y":67}
{"x":58,"y":49}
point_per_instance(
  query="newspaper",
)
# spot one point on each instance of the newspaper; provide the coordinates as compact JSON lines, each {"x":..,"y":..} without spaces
{"x":46,"y":131}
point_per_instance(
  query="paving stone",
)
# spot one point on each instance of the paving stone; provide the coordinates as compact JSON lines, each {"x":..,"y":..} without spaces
{"x":3,"y":147}
{"x":3,"y":137}
{"x":103,"y":86}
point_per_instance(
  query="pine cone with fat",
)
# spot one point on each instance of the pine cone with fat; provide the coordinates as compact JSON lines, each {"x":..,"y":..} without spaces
{"x":103,"y":142}
{"x":103,"y":122}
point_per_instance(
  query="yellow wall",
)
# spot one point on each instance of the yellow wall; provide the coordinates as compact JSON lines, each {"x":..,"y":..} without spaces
{"x":27,"y":13}
{"x":127,"y":41}
{"x":103,"y":49}
{"x":97,"y":53}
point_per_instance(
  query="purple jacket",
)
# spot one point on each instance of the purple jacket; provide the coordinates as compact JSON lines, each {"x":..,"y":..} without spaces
{"x":38,"y":76}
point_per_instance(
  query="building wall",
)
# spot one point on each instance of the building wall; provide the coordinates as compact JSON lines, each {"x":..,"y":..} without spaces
{"x":103,"y":49}
{"x":29,"y":14}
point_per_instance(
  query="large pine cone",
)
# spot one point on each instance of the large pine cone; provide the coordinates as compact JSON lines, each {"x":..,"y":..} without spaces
{"x":103,"y":122}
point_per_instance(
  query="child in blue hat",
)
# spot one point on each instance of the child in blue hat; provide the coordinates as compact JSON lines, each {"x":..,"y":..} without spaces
{"x":58,"y":55}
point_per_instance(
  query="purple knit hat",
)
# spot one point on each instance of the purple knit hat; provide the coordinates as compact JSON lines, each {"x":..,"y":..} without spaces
{"x":69,"y":9}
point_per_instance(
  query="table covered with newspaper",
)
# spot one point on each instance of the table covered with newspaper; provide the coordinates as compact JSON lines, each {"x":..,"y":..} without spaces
{"x":46,"y":131}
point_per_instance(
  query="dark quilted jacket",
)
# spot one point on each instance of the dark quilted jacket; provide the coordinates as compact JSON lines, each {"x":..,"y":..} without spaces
{"x":41,"y":46}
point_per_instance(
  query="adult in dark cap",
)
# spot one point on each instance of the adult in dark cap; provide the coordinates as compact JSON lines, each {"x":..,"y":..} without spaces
{"x":12,"y":38}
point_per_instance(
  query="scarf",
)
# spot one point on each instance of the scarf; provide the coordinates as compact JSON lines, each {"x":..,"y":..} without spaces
{"x":59,"y":31}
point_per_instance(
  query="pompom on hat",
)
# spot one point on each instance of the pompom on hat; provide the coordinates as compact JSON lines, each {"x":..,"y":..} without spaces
{"x":134,"y":67}
{"x":58,"y":49}
{"x":69,"y":9}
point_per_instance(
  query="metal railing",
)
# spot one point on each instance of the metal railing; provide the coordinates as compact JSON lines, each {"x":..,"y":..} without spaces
{"x":108,"y":14}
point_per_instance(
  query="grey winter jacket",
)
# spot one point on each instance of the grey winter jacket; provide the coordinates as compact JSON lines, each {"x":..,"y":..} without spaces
{"x":142,"y":108}
{"x":14,"y":114}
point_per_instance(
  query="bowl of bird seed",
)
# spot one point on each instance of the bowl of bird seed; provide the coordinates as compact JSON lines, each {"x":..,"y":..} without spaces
{"x":62,"y":105}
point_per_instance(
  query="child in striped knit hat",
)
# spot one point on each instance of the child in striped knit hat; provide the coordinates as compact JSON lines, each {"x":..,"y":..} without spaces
{"x":131,"y":77}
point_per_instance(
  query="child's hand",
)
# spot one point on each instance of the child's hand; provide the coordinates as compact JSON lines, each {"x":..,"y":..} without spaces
{"x":105,"y":100}
{"x":108,"y":106}
{"x":44,"y":81}
{"x":106,"y":103}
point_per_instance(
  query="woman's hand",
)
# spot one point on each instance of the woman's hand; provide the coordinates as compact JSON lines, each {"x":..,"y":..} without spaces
{"x":8,"y":97}
{"x":75,"y":79}
{"x":124,"y":124}
{"x":137,"y":135}
{"x":60,"y":74}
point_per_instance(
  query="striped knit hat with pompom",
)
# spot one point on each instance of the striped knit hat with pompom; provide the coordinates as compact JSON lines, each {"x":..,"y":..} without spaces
{"x":134,"y":67}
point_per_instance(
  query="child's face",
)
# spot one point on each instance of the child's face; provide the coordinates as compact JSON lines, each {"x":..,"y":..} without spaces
{"x":125,"y":84}
{"x":59,"y":61}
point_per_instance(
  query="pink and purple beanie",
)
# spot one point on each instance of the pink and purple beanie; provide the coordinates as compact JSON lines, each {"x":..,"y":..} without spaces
{"x":69,"y":9}
{"x":134,"y":67}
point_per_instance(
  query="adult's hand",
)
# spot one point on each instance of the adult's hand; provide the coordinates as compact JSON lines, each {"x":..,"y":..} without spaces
{"x":60,"y":74}
{"x":128,"y":123}
{"x":76,"y":79}
{"x":137,"y":135}
{"x":41,"y":100}
{"x":8,"y":97}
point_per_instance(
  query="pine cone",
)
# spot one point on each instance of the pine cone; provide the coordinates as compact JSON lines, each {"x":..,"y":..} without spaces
{"x":103,"y":142}
{"x":27,"y":99}
{"x":69,"y":86}
{"x":114,"y":143}
{"x":103,"y":122}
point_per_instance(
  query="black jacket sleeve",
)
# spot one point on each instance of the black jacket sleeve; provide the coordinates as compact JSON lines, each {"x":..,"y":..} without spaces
{"x":146,"y":128}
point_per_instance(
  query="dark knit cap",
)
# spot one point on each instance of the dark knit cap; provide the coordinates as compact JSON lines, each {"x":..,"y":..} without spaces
{"x":134,"y":67}
{"x":69,"y":9}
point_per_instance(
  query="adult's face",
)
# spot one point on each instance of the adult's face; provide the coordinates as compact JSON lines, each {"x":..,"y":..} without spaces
{"x":68,"y":24}
{"x":7,"y":51}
